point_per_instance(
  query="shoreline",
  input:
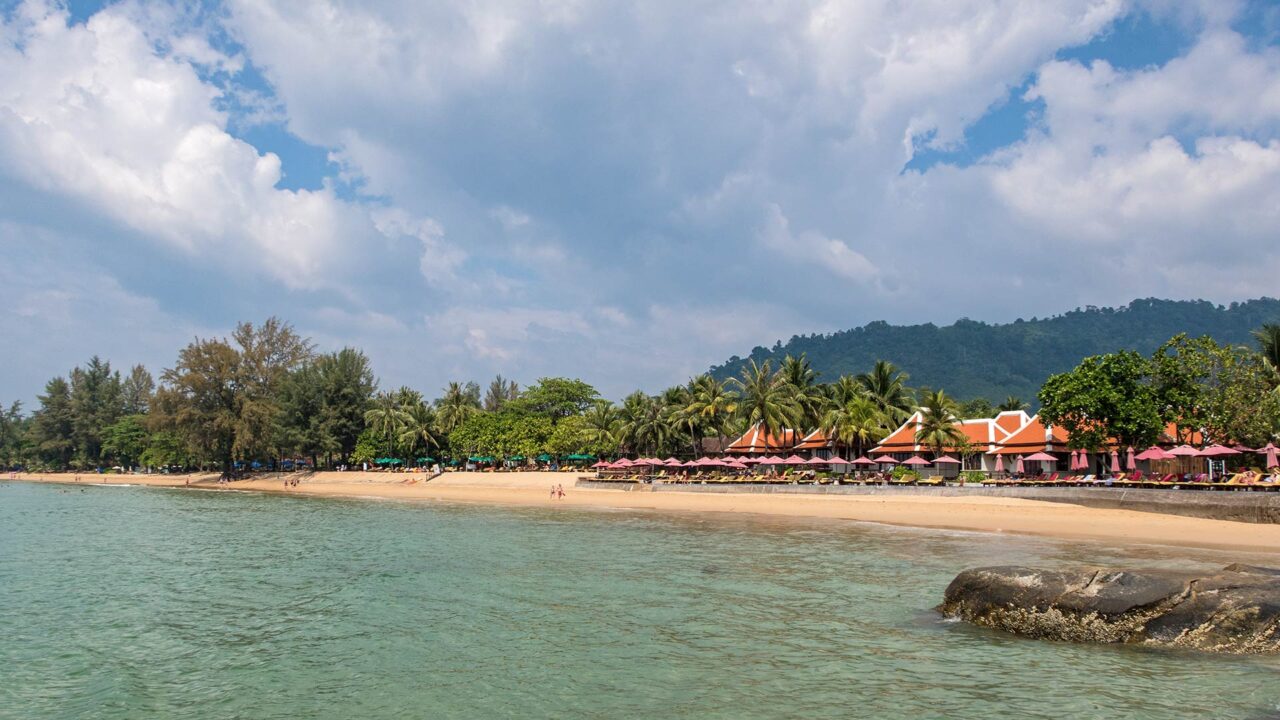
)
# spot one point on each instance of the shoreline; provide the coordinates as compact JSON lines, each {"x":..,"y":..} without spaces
{"x":985,"y":514}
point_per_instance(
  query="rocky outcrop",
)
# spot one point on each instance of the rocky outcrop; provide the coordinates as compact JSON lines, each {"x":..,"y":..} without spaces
{"x":1235,"y":610}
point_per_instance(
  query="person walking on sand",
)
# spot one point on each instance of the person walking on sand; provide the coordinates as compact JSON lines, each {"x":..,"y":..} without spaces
{"x":560,"y":492}
{"x":553,"y":492}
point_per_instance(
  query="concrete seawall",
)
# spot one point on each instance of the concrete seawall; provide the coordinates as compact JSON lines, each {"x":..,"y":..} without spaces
{"x":1240,"y":506}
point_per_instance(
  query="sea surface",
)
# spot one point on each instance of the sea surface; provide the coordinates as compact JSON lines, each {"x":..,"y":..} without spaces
{"x":130,"y":602}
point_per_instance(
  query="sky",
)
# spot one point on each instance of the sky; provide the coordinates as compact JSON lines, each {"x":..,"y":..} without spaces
{"x":622,"y":192}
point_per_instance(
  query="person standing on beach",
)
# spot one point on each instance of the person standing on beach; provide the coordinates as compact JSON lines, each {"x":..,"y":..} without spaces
{"x":560,"y":492}
{"x":553,"y":492}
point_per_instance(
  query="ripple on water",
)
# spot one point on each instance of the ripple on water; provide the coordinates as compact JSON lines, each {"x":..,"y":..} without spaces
{"x":151,"y":603}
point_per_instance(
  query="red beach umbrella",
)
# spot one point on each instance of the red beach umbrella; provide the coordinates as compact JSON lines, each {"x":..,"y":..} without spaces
{"x":1115,"y":463}
{"x":1129,"y":464}
{"x":794,"y":460}
{"x":1019,"y":467}
{"x":947,"y":460}
{"x":864,"y":461}
{"x":999,"y":463}
{"x":916,"y":460}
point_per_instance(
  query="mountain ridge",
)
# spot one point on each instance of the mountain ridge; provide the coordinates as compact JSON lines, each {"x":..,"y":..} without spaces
{"x":971,"y":359}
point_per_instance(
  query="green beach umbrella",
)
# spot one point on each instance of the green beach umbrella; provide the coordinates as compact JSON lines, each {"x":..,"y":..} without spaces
{"x":544,"y":457}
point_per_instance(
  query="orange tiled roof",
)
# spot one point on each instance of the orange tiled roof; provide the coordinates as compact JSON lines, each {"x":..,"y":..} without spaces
{"x":983,"y":433}
{"x":1032,"y":437}
{"x":816,"y":440}
{"x":755,"y":440}
{"x":1011,"y":421}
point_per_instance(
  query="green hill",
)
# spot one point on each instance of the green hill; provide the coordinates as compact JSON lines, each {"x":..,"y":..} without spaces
{"x":975,"y":359}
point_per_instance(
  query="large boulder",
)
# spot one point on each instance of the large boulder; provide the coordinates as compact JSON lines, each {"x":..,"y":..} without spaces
{"x":1235,"y":610}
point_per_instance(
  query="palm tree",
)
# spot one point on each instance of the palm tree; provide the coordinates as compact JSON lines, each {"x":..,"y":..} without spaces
{"x":601,"y":425}
{"x":387,"y":418}
{"x":803,"y":380}
{"x":855,"y":423}
{"x":1268,"y":337}
{"x":938,"y":429}
{"x":767,"y":399}
{"x":419,"y":429}
{"x":886,"y":386}
{"x":844,"y":389}
{"x":1012,"y":403}
{"x":645,"y":427}
{"x":501,"y":391}
{"x":458,"y":404}
{"x":711,"y":403}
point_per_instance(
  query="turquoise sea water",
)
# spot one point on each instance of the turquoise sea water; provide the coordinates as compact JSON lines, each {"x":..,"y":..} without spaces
{"x":151,"y":603}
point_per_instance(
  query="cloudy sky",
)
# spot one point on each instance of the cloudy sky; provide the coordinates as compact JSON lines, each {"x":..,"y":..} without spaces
{"x":623,"y":192}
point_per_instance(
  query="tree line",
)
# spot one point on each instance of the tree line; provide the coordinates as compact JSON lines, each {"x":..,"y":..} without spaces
{"x":265,"y":394}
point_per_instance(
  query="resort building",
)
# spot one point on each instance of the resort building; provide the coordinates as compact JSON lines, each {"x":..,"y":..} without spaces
{"x":984,"y":436}
{"x":755,"y":441}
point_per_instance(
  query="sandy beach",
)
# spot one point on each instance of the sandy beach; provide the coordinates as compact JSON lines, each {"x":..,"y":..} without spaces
{"x":982,"y":514}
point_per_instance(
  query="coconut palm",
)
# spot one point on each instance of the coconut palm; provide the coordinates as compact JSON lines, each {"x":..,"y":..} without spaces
{"x":767,"y":398}
{"x":458,"y":404}
{"x":809,"y":396}
{"x":855,"y":423}
{"x":886,"y":386}
{"x":938,"y":429}
{"x":388,"y":418}
{"x":711,"y":402}
{"x":1012,"y":403}
{"x":844,"y":389}
{"x":419,"y":430}
{"x":645,"y":426}
{"x":1268,"y":337}
{"x":601,"y":425}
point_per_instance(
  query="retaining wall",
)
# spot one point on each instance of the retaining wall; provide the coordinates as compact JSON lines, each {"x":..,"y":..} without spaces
{"x":1251,"y":506}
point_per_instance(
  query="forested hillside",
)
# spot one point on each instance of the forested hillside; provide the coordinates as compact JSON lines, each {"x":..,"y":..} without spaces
{"x":972,"y":359}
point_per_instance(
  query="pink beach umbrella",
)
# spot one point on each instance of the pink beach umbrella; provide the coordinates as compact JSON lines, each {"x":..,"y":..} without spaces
{"x":672,"y":462}
{"x":886,"y":460}
{"x":623,"y":463}
{"x":1270,"y":450}
{"x":1217,"y":451}
{"x":600,"y":465}
{"x":817,"y":461}
{"x":1154,"y":453}
{"x":735,"y":465}
{"x":865,"y":461}
{"x":1115,"y":463}
{"x":916,"y":460}
{"x":745,"y":460}
{"x":794,"y":460}
{"x":1074,"y":463}
{"x":999,"y":463}
{"x":946,"y":460}
{"x":1129,"y":464}
{"x":1019,"y":467}
{"x":1041,"y":457}
{"x":836,"y":460}
{"x":1184,"y":451}
{"x":773,"y":460}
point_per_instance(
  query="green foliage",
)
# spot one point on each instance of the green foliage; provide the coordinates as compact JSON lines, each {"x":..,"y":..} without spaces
{"x":367,"y":447}
{"x":1241,"y":404}
{"x":901,"y":472}
{"x":52,"y":426}
{"x":972,"y":476}
{"x":977,"y":408}
{"x":766,"y":398}
{"x":502,"y":434}
{"x":556,"y":398}
{"x":1106,"y":396}
{"x":126,"y":439}
{"x":976,"y":359}
{"x":456,"y":406}
{"x":937,"y":429}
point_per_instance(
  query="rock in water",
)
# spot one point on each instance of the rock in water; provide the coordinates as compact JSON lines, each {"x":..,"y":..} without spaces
{"x":1235,"y":610}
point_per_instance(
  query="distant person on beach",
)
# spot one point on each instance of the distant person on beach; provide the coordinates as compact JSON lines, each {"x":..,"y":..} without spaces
{"x":560,"y":491}
{"x":553,"y":492}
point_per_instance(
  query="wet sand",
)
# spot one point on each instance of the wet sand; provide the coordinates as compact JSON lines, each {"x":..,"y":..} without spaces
{"x":982,"y":514}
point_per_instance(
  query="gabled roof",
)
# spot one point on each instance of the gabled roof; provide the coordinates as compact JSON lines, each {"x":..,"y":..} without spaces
{"x":755,"y":440}
{"x":1034,"y":437}
{"x":816,"y":440}
{"x":1011,"y":421}
{"x":984,"y":434}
